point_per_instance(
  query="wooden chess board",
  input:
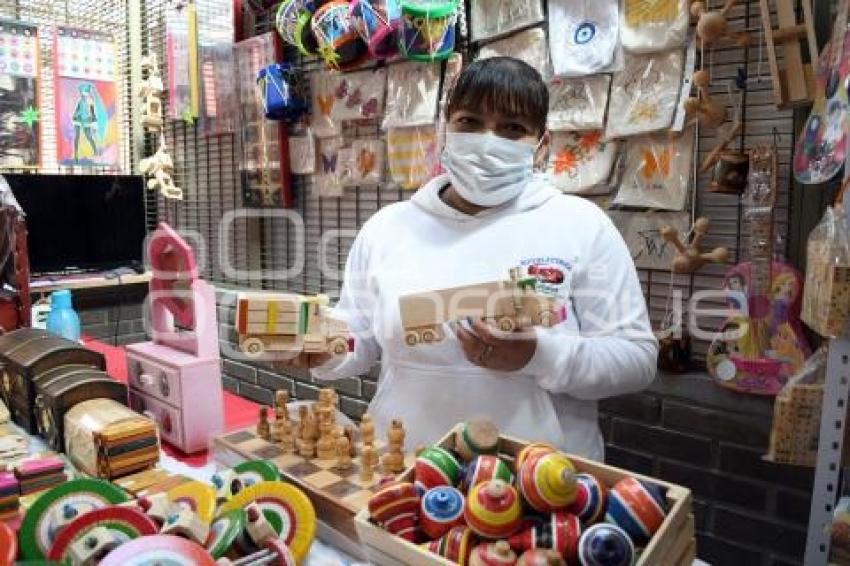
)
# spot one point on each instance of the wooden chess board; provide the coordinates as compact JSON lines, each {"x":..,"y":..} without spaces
{"x":336,"y":495}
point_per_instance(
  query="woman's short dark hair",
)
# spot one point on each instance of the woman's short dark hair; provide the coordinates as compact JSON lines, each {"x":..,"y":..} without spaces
{"x":503,"y":85}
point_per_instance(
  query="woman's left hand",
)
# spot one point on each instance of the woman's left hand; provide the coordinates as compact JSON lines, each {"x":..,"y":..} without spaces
{"x":490,"y":348}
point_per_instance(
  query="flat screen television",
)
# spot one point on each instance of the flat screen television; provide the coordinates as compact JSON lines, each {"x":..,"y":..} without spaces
{"x":81,"y":223}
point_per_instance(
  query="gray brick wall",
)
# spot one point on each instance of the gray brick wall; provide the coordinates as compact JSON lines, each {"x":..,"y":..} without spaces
{"x":683,"y":429}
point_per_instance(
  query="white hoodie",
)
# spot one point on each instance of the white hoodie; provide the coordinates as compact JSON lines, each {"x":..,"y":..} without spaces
{"x":605,"y":347}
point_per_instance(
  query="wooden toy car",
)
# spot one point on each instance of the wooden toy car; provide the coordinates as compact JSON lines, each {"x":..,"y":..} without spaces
{"x":508,"y":305}
{"x":287,"y":322}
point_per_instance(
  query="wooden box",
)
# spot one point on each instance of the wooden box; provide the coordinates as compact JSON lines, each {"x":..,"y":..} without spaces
{"x":673,"y":545}
{"x":9,"y":342}
{"x":37,"y":354}
{"x":54,"y":398}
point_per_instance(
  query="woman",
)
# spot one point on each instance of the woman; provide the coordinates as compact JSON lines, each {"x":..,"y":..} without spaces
{"x":488,"y":213}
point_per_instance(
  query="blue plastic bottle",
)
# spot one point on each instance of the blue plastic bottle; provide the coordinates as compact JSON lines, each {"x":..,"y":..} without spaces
{"x":62,"y":319}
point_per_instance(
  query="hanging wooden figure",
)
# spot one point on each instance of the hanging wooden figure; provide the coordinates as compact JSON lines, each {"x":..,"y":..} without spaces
{"x":690,"y":257}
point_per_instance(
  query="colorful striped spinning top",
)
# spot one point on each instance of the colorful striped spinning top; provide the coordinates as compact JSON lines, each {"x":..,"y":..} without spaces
{"x":541,"y":557}
{"x":396,"y":508}
{"x":547,"y":481}
{"x":434,"y":467}
{"x":441,"y":509}
{"x":493,"y":509}
{"x":486,"y":467}
{"x":530,"y":449}
{"x":456,"y":545}
{"x":605,"y":545}
{"x":591,"y":499}
{"x":561,"y":533}
{"x":476,"y":437}
{"x":638,"y":507}
{"x":493,"y":554}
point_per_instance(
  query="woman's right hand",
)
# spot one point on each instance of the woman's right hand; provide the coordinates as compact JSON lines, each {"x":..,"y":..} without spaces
{"x":303,"y":360}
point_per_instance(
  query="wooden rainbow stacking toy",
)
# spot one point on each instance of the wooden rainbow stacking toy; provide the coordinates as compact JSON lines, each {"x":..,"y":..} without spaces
{"x":591,"y":499}
{"x":442,"y":509}
{"x":484,"y":468}
{"x":434,"y":467}
{"x":547,"y":480}
{"x":493,"y":509}
{"x":396,"y":507}
{"x":561,"y":533}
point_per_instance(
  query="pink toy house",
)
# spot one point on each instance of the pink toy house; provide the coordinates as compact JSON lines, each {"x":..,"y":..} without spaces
{"x":175,"y":379}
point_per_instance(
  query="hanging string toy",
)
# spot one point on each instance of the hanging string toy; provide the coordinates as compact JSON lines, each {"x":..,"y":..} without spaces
{"x":377,"y":22}
{"x":428,"y":29}
{"x":338,"y":42}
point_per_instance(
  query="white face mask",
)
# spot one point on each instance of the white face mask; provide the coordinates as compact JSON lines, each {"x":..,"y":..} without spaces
{"x":486,"y":169}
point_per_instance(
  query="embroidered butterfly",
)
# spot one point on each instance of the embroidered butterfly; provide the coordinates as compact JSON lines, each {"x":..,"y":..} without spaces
{"x":354,"y":99}
{"x":370,"y":108}
{"x":329,"y":163}
{"x":656,"y":163}
{"x":326,"y":104}
{"x":366,"y":161}
{"x":342,"y":89}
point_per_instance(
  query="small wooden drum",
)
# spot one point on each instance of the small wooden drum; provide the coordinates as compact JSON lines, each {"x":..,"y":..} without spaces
{"x":377,"y":22}
{"x":338,"y":42}
{"x":730,"y":173}
{"x":282,"y":92}
{"x":428,"y":29}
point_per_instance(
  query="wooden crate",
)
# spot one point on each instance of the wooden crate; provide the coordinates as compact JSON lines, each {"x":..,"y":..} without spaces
{"x":673,"y":545}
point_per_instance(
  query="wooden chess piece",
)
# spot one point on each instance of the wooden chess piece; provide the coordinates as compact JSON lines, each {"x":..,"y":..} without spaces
{"x":690,"y":258}
{"x":343,"y":452}
{"x":263,"y":430}
{"x":351,"y":434}
{"x":303,"y":411}
{"x":367,"y":429}
{"x":281,"y":400}
{"x":287,"y":437}
{"x":393,"y":461}
{"x":368,"y":461}
{"x":326,"y":446}
{"x":326,"y":397}
{"x":307,"y":443}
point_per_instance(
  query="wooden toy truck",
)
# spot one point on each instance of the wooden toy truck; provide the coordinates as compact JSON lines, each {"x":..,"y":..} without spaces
{"x":287,"y":322}
{"x":507,"y":305}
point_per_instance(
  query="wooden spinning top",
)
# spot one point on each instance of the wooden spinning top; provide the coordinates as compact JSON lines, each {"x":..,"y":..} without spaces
{"x":441,"y":509}
{"x":484,"y":468}
{"x":434,"y":467}
{"x":476,"y":437}
{"x":493,"y":554}
{"x":547,"y":481}
{"x":606,"y":545}
{"x":561,"y":534}
{"x":541,"y":557}
{"x":456,"y":545}
{"x":493,"y":509}
{"x":637,"y":507}
{"x":591,"y":499}
{"x":691,"y":258}
{"x":396,"y":508}
{"x":531,"y":449}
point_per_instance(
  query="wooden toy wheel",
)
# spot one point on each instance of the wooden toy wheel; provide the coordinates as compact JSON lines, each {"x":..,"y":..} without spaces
{"x":546,"y":319}
{"x":253,"y":347}
{"x":506,"y":324}
{"x":429,"y":335}
{"x":338,"y":346}
{"x":411,"y":338}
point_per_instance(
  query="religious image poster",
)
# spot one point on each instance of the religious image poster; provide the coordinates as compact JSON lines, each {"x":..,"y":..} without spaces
{"x":87,"y":119}
{"x":19,"y":101}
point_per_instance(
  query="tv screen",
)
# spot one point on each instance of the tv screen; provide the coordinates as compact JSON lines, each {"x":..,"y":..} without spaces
{"x":81,"y":222}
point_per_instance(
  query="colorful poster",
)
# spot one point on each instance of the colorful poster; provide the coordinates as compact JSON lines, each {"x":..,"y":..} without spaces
{"x":19,"y":104}
{"x":88,"y":129}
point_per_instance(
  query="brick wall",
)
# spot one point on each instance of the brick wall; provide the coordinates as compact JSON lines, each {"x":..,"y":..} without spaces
{"x":683,"y":429}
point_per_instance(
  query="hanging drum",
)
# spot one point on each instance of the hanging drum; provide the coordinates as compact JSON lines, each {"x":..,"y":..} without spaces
{"x":282,"y":92}
{"x":339,"y":44}
{"x":377,"y":22}
{"x":427,"y":30}
{"x":293,"y":24}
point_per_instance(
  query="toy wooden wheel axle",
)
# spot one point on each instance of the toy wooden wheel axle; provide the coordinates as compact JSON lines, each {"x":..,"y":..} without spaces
{"x":275,"y":552}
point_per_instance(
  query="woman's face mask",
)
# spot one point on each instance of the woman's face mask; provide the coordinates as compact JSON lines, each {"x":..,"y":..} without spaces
{"x":486,"y":169}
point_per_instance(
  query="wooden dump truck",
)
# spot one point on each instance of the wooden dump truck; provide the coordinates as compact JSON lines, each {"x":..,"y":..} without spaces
{"x":287,"y":322}
{"x":507,"y":305}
